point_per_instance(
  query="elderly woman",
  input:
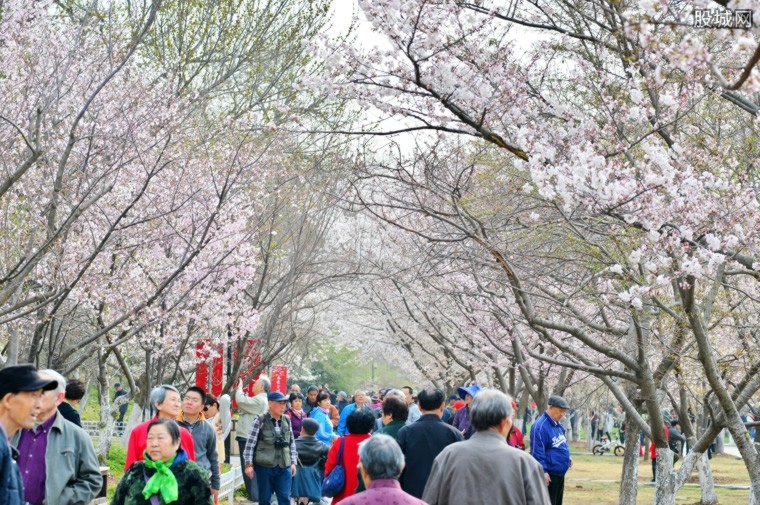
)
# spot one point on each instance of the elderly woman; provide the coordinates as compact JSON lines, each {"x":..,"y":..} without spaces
{"x":394,"y":415}
{"x":166,"y":475}
{"x":380,"y":464}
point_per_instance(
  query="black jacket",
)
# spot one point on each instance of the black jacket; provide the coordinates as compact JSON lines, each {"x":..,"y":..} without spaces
{"x":310,"y":451}
{"x":69,"y":413}
{"x":421,"y":442}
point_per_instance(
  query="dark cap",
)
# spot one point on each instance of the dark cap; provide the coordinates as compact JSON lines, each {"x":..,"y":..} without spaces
{"x":276,"y":396}
{"x":117,"y":385}
{"x":558,"y":401}
{"x":17,"y":378}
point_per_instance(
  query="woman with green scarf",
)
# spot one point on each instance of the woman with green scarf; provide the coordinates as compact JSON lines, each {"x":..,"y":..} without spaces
{"x":166,"y":476}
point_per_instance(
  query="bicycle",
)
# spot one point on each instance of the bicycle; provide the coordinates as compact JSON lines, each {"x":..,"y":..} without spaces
{"x":608,"y":445}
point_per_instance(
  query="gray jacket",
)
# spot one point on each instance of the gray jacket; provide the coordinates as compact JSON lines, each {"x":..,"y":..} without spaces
{"x":72,"y":469}
{"x":206,"y":456}
{"x":484,"y":469}
{"x":250,"y":407}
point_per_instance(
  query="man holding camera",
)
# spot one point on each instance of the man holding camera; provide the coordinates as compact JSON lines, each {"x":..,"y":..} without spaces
{"x":270,"y":452}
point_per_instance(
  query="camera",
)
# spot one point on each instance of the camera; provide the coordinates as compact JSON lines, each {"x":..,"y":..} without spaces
{"x":279,"y":442}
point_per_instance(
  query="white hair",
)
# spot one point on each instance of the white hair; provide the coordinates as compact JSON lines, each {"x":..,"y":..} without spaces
{"x":53,"y":375}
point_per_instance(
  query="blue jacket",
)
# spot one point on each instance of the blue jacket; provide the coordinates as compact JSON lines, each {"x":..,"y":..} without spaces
{"x":11,"y":485}
{"x":549,"y":445}
{"x":325,"y":432}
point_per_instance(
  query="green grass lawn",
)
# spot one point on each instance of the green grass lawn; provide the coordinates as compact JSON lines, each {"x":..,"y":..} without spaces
{"x":117,"y":456}
{"x":584,"y":482}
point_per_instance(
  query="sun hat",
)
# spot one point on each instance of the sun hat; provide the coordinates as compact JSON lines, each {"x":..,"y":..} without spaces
{"x":471,"y":390}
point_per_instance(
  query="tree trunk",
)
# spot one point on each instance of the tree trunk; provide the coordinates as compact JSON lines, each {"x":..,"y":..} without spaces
{"x":706,"y":481}
{"x":86,"y":397}
{"x":106,"y":424}
{"x":13,"y":346}
{"x":665,"y":489}
{"x":720,"y":443}
{"x":629,"y":482}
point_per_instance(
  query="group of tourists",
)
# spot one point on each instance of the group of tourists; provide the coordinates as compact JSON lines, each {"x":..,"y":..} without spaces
{"x":399,"y":449}
{"x":46,"y":458}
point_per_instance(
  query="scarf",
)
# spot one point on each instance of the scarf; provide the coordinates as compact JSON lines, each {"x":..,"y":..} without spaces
{"x":298,"y":413}
{"x":326,"y":411}
{"x":163,"y":481}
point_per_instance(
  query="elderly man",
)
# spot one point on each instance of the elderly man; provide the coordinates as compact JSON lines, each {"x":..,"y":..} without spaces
{"x":424,"y":440}
{"x":56,"y":458}
{"x":549,"y":446}
{"x":380,"y":464}
{"x":250,"y":408}
{"x":166,"y":400}
{"x":360,"y":402}
{"x":270,"y":452}
{"x":21,"y":390}
{"x":484,"y":469}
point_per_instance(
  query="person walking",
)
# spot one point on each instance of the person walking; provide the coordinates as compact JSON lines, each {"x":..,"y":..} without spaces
{"x":380,"y":464}
{"x":250,"y":408}
{"x":414,"y":410}
{"x":204,"y":437}
{"x":119,"y":392}
{"x":360,"y":401}
{"x":676,"y":440}
{"x":549,"y":446}
{"x":424,"y":440}
{"x":311,"y":399}
{"x":359,"y":423}
{"x":21,"y":390}
{"x":312,"y":455}
{"x":74,"y":394}
{"x":394,"y":416}
{"x":462,"y":417}
{"x":449,"y":411}
{"x":342,"y":402}
{"x":217,"y":414}
{"x":165,"y":474}
{"x":484,"y":469}
{"x":321,"y":414}
{"x":295,"y":413}
{"x":56,"y":458}
{"x":270,"y":452}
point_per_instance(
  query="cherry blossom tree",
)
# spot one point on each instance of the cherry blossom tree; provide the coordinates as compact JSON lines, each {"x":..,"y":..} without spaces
{"x":604,"y":114}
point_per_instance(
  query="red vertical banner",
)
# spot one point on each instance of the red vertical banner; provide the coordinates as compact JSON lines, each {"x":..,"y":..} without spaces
{"x":201,"y":362}
{"x":217,"y":372}
{"x":279,"y":378}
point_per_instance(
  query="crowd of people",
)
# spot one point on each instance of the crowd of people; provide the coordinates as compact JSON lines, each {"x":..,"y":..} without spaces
{"x":397,"y":447}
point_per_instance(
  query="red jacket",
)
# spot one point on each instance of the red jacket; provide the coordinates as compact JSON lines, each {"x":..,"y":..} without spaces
{"x":138,"y":442}
{"x":350,"y":462}
{"x":515,"y":438}
{"x":653,"y":449}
